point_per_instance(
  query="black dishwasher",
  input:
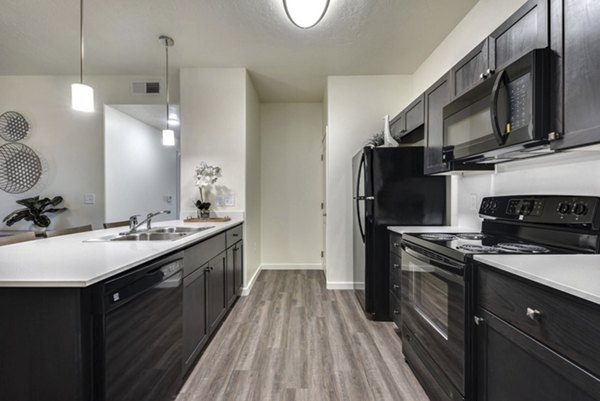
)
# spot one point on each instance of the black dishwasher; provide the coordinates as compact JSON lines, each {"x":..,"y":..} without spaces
{"x":139,"y":324}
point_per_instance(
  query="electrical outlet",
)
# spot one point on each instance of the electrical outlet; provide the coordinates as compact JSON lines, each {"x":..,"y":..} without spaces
{"x":220,"y":201}
{"x":169,"y":198}
{"x":89,"y":199}
{"x":230,"y":200}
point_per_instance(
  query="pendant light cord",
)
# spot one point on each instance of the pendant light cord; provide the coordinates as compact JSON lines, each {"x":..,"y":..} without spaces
{"x":81,"y":41}
{"x":167,"y":77}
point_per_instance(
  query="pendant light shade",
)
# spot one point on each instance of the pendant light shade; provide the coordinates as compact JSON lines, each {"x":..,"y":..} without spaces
{"x":305,"y":13}
{"x":168,"y":135}
{"x":82,"y":96}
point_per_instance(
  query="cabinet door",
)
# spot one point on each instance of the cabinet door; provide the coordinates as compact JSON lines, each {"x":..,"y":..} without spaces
{"x":194,"y":315}
{"x":526,"y":30}
{"x":238,"y":252}
{"x":579,"y":51}
{"x":513,"y":366}
{"x":473,"y":68}
{"x":398,"y":125}
{"x":415,"y":114}
{"x":230,"y":288}
{"x":436,"y":98}
{"x":215,"y":291}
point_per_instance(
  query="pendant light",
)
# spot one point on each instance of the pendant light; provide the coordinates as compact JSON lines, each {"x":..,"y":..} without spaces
{"x":305,"y":13}
{"x":168,"y":135}
{"x":82,"y":96}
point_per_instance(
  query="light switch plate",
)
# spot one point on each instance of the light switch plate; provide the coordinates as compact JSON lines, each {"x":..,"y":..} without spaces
{"x":473,"y":201}
{"x":229,"y":200}
{"x":89,"y":199}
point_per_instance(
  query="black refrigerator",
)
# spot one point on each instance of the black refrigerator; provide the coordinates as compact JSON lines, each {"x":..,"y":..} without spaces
{"x":389,"y":189}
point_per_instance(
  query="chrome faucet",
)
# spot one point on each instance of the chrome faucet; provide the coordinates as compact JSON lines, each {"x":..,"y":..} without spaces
{"x":134,"y":225}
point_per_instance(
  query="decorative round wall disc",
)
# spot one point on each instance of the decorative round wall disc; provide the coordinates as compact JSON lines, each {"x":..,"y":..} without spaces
{"x":13,"y":126}
{"x":20,"y":168}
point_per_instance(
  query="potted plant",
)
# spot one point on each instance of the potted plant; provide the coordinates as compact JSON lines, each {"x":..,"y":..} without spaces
{"x":205,"y":177}
{"x":35,"y":211}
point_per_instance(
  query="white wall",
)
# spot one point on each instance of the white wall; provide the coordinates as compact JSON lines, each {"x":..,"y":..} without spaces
{"x":139,"y":171}
{"x":355,"y":109}
{"x":291,"y":185}
{"x":213,"y":129}
{"x":483,"y":18}
{"x":70,"y":143}
{"x":252,"y":235}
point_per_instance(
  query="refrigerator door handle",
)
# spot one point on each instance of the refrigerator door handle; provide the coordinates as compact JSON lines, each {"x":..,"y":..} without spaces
{"x":358,"y":197}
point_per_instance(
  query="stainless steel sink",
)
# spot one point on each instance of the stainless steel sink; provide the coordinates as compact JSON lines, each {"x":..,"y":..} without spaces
{"x":155,"y":234}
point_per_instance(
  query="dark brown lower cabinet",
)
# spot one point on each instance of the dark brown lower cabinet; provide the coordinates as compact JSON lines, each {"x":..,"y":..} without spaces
{"x":513,"y":366}
{"x":238,"y":267}
{"x":216,"y":306}
{"x":194,"y":315}
{"x":230,"y":289}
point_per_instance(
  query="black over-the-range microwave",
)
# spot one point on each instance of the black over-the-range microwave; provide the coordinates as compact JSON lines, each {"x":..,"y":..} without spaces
{"x":503,"y":118}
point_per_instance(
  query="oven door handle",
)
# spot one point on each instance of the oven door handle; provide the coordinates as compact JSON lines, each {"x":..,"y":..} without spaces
{"x":441,"y":268}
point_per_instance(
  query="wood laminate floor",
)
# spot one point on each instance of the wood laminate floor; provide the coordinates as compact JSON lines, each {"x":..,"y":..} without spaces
{"x":291,"y":339}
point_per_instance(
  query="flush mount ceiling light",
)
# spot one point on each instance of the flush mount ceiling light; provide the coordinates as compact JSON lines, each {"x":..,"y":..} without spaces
{"x":82,"y":96}
{"x":305,"y":13}
{"x":168,"y":135}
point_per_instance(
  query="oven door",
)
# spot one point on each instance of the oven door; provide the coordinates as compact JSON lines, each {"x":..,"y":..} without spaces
{"x":433,"y":308}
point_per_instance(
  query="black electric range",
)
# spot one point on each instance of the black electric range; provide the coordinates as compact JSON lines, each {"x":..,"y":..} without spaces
{"x":437,"y":276}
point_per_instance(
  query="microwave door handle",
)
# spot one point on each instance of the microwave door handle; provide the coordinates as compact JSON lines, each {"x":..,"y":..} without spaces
{"x":500,"y":138}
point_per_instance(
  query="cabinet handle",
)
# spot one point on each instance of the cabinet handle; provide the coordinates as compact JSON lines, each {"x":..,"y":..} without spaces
{"x":235,"y":235}
{"x":396,"y":287}
{"x":490,"y":71}
{"x":483,"y":75}
{"x":396,"y":266}
{"x":478,"y":320}
{"x":396,"y":245}
{"x":533,"y":314}
{"x":396,"y":312}
{"x":207,"y":269}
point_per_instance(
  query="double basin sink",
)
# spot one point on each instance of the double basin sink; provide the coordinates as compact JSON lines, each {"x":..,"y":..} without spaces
{"x":154,"y":234}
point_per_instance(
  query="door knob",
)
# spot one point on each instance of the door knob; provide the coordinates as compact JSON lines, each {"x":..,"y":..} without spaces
{"x":533,"y":314}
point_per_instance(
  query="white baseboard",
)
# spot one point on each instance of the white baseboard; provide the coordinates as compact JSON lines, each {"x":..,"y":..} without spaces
{"x":246,"y":290}
{"x":340,"y":285}
{"x":291,"y":266}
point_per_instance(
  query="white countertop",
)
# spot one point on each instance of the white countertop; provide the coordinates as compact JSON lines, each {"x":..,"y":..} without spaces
{"x":431,"y":229}
{"x":68,"y":261}
{"x":578,"y":275}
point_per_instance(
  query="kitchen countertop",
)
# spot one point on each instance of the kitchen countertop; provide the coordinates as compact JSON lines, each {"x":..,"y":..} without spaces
{"x":578,"y":275}
{"x":431,"y":229}
{"x":68,"y":261}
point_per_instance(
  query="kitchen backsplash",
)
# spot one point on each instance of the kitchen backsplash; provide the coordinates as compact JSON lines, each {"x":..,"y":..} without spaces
{"x":560,"y":174}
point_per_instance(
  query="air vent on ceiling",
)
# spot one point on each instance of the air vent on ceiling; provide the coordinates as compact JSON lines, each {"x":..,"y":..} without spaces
{"x":144,"y":88}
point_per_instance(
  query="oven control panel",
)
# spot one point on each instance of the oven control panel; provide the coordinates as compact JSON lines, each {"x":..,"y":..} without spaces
{"x":546,"y":209}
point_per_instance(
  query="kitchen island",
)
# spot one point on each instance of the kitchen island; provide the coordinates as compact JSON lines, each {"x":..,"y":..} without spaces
{"x":86,"y":320}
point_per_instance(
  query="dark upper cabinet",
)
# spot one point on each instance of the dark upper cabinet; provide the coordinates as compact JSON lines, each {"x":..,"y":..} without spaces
{"x":575,"y":32}
{"x":526,"y":30}
{"x":436,"y":97}
{"x":398,"y":125}
{"x":472,"y":69}
{"x":415,"y":114}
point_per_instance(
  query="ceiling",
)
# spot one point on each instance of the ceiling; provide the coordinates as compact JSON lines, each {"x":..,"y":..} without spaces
{"x":356,"y":37}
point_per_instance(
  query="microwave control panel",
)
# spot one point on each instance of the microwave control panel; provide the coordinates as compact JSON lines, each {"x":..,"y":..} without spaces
{"x":542,"y":209}
{"x":518,"y":92}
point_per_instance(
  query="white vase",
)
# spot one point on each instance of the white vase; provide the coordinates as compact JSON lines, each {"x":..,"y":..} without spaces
{"x":388,"y":141}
